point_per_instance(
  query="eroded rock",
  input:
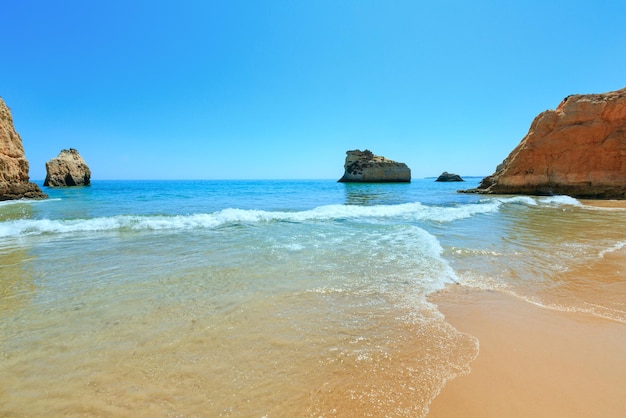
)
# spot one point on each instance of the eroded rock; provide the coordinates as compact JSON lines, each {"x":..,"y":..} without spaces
{"x":445,"y":176}
{"x":14,"y":179}
{"x":578,"y":149}
{"x":365,"y":167}
{"x":68,"y":169}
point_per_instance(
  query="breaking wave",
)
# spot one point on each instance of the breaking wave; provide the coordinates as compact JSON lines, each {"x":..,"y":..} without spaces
{"x":409,"y":212}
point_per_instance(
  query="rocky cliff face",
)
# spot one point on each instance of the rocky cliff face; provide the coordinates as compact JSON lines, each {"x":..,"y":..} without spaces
{"x":68,"y":169}
{"x":14,"y":180}
{"x":579,"y":149}
{"x":365,"y":167}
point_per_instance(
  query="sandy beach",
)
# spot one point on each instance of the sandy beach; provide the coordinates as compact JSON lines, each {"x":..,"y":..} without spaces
{"x":535,"y":361}
{"x":455,"y":307}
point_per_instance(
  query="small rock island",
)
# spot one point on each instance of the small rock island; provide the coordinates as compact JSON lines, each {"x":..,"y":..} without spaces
{"x":365,"y":167}
{"x":445,"y":176}
{"x":14,"y":178}
{"x":68,"y":169}
{"x":578,"y":149}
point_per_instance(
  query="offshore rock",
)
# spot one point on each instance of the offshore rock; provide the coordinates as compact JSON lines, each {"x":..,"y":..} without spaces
{"x":68,"y":169}
{"x":365,"y":167}
{"x":445,"y":176}
{"x":14,"y":179}
{"x":578,"y":149}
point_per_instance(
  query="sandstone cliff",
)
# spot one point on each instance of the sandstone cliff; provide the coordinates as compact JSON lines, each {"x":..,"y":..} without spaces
{"x":365,"y":167}
{"x":68,"y":169}
{"x":579,"y":150}
{"x":14,"y":180}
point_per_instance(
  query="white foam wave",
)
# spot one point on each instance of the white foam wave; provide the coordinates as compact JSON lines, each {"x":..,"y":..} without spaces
{"x":618,"y":246}
{"x":517,"y":200}
{"x":407,"y":211}
{"x":559,"y":200}
{"x":444,"y":273}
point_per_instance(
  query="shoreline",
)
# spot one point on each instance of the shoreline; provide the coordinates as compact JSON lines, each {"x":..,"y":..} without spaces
{"x":534,"y":360}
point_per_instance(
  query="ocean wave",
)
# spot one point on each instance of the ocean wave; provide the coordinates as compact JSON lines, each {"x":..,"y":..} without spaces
{"x":410,"y":212}
{"x":515,"y":200}
{"x":27,"y":202}
{"x":406,"y":212}
{"x":559,"y":200}
{"x":604,"y":208}
{"x":618,"y":246}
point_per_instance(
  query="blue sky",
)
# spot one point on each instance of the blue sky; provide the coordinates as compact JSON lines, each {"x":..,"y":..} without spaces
{"x":282,"y":89}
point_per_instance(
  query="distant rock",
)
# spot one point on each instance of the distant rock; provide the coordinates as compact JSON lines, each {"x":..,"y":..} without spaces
{"x":14,"y":179}
{"x":68,"y":169}
{"x":445,"y":176}
{"x":365,"y":167}
{"x":579,"y":150}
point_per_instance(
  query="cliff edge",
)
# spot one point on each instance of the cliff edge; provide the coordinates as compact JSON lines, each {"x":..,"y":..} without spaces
{"x":14,"y":179}
{"x":578,"y":149}
{"x":365,"y":167}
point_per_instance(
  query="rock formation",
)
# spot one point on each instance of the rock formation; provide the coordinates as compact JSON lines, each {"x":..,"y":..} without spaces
{"x":14,"y":179}
{"x":579,"y":150}
{"x":365,"y":167}
{"x":68,"y":169}
{"x":445,"y":176}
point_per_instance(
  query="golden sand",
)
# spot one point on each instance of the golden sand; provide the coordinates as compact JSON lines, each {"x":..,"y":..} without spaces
{"x":534,"y":361}
{"x":198,"y":358}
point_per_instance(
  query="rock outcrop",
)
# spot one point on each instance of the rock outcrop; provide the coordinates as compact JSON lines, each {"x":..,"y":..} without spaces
{"x":365,"y":167}
{"x":14,"y":179}
{"x":578,"y":149}
{"x":68,"y":169}
{"x":445,"y":176}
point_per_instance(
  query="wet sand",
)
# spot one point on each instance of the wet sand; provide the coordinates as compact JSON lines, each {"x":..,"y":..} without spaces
{"x":535,"y":361}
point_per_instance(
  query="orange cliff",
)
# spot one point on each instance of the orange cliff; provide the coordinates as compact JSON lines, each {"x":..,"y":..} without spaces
{"x":14,"y":179}
{"x":579,"y":150}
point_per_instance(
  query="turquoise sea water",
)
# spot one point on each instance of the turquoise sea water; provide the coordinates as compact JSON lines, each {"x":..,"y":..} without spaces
{"x":270,"y":298}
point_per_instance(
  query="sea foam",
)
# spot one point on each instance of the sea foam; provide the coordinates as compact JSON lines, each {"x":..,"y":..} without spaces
{"x":411,"y":212}
{"x":232,"y":216}
{"x":560,"y":200}
{"x":618,"y":246}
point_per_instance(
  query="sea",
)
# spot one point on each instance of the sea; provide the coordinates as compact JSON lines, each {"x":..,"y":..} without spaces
{"x":304,"y":298}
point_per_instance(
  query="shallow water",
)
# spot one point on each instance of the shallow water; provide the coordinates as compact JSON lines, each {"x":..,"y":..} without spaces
{"x":270,"y":298}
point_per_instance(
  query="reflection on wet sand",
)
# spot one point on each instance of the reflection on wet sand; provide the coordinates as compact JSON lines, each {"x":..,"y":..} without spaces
{"x":16,"y":281}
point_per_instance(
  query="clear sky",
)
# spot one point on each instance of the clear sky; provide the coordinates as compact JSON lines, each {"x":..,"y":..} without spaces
{"x":238,"y":89}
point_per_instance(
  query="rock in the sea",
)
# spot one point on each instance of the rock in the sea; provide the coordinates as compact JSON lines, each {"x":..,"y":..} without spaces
{"x":68,"y":169}
{"x":445,"y":176}
{"x":14,"y":179}
{"x":579,"y":150}
{"x":365,"y":167}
